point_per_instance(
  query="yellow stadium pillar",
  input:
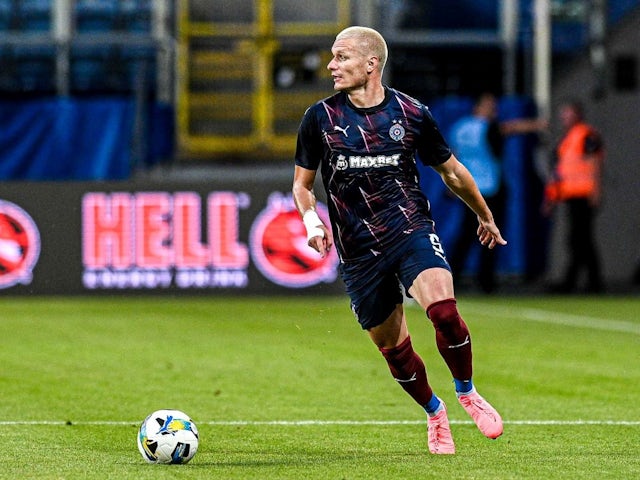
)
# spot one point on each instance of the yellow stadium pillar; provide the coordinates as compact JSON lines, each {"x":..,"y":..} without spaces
{"x":263,"y":99}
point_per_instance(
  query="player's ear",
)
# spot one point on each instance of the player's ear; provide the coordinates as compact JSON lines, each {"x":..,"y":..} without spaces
{"x":371,"y":64}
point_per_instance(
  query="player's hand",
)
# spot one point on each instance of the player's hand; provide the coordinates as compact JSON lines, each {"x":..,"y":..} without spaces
{"x":489,"y":235}
{"x":322,"y":245}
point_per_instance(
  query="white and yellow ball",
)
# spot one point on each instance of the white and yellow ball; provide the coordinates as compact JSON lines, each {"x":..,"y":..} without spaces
{"x":168,"y":436}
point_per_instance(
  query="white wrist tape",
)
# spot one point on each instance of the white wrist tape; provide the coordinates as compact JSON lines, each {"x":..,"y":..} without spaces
{"x":312,"y":223}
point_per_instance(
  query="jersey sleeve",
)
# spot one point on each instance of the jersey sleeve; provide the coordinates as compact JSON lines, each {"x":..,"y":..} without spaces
{"x":432,"y":147}
{"x":309,"y":144}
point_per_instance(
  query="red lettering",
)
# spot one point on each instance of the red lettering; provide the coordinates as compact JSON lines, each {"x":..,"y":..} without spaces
{"x":153,"y":230}
{"x":187,"y":231}
{"x":159,"y":230}
{"x":106,"y":230}
{"x":226,"y":251}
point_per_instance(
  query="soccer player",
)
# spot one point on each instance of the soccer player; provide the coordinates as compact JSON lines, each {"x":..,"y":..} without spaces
{"x":365,"y":139}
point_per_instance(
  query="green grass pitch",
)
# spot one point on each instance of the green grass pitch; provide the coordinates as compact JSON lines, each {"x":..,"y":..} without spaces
{"x":291,"y":388}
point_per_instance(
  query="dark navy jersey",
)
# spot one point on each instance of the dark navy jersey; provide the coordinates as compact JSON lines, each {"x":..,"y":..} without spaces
{"x":367,"y":157}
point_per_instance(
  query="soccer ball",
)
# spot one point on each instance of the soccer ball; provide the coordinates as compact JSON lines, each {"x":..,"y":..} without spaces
{"x":168,"y":436}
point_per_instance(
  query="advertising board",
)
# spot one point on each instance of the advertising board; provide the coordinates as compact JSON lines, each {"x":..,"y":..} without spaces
{"x":135,"y":237}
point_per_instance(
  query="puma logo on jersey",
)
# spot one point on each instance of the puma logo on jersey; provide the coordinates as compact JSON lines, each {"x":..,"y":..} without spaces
{"x":343,"y":130}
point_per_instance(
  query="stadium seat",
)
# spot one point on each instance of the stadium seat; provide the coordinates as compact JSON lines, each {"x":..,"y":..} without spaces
{"x":33,"y":15}
{"x":135,"y":15}
{"x":87,"y":69}
{"x":95,"y":15}
{"x":6,"y":13}
{"x":8,"y":79}
{"x":109,"y":70}
{"x":35,"y":69}
{"x":97,"y":69}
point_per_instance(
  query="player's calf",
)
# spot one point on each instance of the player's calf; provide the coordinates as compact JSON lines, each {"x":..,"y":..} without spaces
{"x":452,"y":337}
{"x":409,"y":371}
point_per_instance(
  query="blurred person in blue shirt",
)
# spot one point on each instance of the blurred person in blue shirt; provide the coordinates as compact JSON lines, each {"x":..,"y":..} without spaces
{"x":478,"y":141}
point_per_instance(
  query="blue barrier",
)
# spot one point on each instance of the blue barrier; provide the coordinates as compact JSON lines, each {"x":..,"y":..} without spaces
{"x":77,"y":139}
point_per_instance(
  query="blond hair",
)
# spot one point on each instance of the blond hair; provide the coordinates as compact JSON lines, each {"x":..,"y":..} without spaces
{"x":369,"y":42}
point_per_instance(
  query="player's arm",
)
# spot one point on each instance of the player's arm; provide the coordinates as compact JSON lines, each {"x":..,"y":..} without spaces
{"x":318,"y":235}
{"x":458,"y":179}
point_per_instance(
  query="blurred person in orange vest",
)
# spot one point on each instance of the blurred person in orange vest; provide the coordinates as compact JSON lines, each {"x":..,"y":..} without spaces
{"x":576,"y":182}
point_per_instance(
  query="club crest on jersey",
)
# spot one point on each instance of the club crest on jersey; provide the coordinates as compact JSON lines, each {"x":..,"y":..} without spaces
{"x":342,"y":163}
{"x":396,"y":132}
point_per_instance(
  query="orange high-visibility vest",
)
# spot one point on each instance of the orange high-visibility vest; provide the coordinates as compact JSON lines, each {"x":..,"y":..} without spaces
{"x":576,"y":171}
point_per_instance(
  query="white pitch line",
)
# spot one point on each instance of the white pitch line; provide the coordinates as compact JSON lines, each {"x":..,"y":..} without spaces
{"x":559,"y":318}
{"x":296,"y":423}
{"x":419,"y":422}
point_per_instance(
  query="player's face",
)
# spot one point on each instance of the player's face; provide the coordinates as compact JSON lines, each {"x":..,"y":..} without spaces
{"x":348,"y":66}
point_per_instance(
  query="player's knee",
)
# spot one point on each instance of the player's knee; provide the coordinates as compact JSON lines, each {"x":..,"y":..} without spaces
{"x":404,"y":363}
{"x":398,"y":353}
{"x":447,"y":320}
{"x":443,"y":312}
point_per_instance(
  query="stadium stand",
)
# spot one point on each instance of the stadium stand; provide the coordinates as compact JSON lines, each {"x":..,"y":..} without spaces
{"x":109,"y":48}
{"x":112,"y":67}
{"x":246,"y":69}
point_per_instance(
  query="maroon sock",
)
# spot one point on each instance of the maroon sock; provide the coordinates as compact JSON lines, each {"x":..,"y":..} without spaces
{"x":452,"y":338}
{"x":408,"y":369}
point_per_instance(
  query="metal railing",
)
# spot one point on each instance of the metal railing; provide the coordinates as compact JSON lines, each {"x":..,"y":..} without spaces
{"x":239,"y":85}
